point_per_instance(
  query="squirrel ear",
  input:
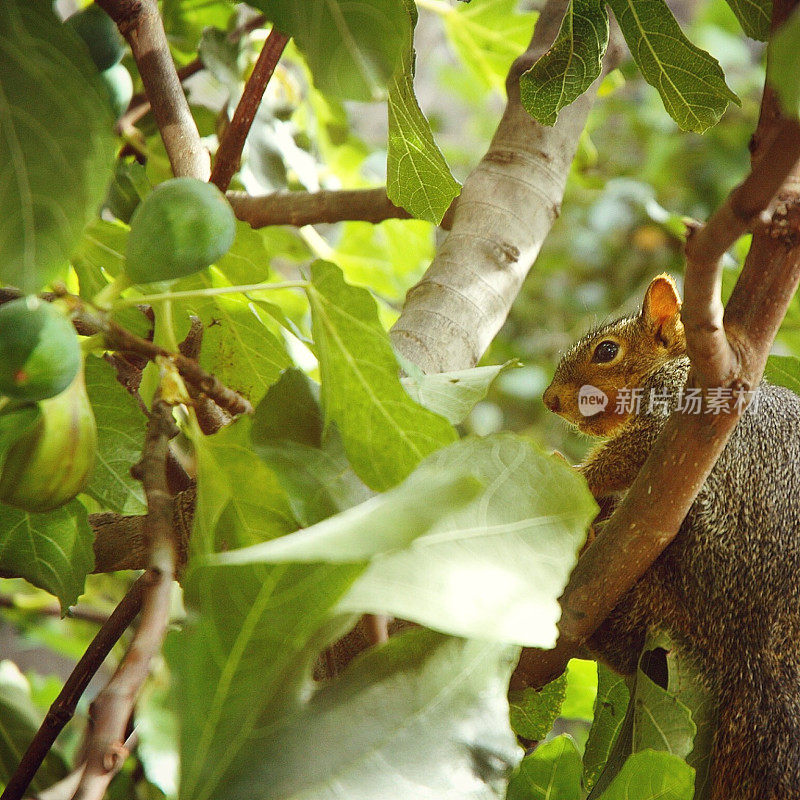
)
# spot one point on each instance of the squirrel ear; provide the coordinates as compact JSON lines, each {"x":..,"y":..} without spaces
{"x":661,"y":307}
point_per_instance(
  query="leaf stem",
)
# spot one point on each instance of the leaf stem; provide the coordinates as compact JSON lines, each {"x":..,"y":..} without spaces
{"x":212,"y":291}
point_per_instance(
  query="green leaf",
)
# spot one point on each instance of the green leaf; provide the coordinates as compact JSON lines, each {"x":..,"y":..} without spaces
{"x":689,"y":80}
{"x":243,"y":659}
{"x":652,"y":775}
{"x":19,"y":721}
{"x":441,"y":731}
{"x":533,"y":711}
{"x":754,"y":16}
{"x":581,"y":690}
{"x":53,"y":551}
{"x":660,"y":720}
{"x":287,"y":436}
{"x":609,"y":715}
{"x":120,"y":437}
{"x":239,"y":500}
{"x":57,"y":153}
{"x":782,"y":65}
{"x":453,"y":394}
{"x":551,"y":772}
{"x":571,"y":65}
{"x":784,"y":371}
{"x":382,"y":524}
{"x":487,"y":37}
{"x":417,"y":176}
{"x":518,"y":541}
{"x":385,"y":433}
{"x":351,"y":47}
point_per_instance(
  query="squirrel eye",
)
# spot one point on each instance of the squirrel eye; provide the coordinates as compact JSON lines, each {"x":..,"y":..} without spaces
{"x":604,"y":352}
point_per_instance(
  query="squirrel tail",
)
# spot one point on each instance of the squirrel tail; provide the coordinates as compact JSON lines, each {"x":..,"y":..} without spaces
{"x":757,"y":746}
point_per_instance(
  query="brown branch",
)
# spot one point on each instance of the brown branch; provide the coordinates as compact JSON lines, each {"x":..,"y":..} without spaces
{"x":63,"y":707}
{"x":728,"y":351}
{"x":122,"y":340}
{"x":140,"y":23}
{"x":227,"y":159}
{"x":311,"y":208}
{"x":111,"y":709}
{"x":140,"y":105}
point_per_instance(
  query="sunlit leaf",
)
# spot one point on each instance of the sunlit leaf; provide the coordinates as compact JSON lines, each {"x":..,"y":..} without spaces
{"x":652,"y":775}
{"x":572,"y":63}
{"x":754,"y":16}
{"x":551,"y":772}
{"x":533,"y":711}
{"x":689,"y":80}
{"x":385,"y":433}
{"x":352,"y":47}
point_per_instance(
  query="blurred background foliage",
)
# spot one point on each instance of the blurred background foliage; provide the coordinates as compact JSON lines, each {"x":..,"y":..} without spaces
{"x":635,"y":177}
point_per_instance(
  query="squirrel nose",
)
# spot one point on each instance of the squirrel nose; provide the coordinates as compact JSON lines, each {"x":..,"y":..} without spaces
{"x":551,"y":400}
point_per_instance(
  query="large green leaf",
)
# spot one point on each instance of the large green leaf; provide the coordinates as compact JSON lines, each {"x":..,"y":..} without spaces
{"x":120,"y":437}
{"x":660,"y":720}
{"x":385,"y":433}
{"x":239,"y":500}
{"x":551,"y":772}
{"x":19,"y":721}
{"x":689,"y":80}
{"x":352,"y":47}
{"x":242,"y":659}
{"x":417,"y":175}
{"x":652,"y":775}
{"x":422,"y":716}
{"x":57,"y":150}
{"x":487,"y":37}
{"x":571,"y":65}
{"x":53,"y":551}
{"x":451,"y":394}
{"x":518,"y":540}
{"x":754,"y":16}
{"x":784,"y":371}
{"x":782,"y":65}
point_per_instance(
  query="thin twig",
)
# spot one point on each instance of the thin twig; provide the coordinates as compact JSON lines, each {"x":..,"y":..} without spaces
{"x":140,"y":105}
{"x":111,"y":709}
{"x":230,"y":148}
{"x":63,"y":707}
{"x":140,"y":23}
{"x":311,"y":208}
{"x":122,"y":340}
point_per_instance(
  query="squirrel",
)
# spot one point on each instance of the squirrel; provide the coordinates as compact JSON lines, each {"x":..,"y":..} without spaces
{"x":727,"y":588}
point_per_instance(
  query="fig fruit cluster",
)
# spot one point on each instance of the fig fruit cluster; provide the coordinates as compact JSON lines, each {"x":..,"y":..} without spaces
{"x":48,"y":435}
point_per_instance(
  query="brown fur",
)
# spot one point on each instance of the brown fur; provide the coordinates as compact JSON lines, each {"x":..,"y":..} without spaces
{"x":727,"y":589}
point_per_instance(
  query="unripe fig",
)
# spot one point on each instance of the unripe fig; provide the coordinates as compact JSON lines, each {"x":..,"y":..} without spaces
{"x":52,"y":460}
{"x":39,"y":350}
{"x":181,"y":227}
{"x":100,"y":33}
{"x":119,"y":84}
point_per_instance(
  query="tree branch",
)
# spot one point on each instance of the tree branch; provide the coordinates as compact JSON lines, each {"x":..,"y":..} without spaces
{"x":111,"y":709}
{"x":63,"y":707}
{"x":227,"y":159}
{"x":140,"y":23}
{"x":311,"y":208}
{"x":729,"y":351}
{"x":506,"y":208}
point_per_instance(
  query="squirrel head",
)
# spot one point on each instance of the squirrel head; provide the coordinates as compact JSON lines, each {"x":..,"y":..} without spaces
{"x":619,"y":355}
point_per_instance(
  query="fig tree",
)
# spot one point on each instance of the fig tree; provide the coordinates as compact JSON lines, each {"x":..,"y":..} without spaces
{"x":181,"y":227}
{"x":39,"y":350}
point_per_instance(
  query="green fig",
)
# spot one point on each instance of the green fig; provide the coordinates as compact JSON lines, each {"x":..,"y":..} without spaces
{"x":181,"y":227}
{"x":119,"y":84}
{"x":100,"y":33}
{"x":39,"y":350}
{"x":52,"y":459}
